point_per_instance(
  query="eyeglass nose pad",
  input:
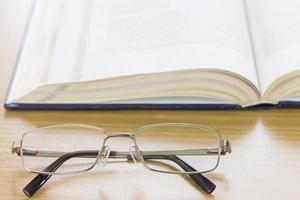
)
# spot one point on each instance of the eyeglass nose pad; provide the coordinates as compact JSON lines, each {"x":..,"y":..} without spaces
{"x":136,"y":156}
{"x":104,"y":155}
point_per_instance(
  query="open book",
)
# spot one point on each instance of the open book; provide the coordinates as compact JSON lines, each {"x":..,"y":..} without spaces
{"x":111,"y":53}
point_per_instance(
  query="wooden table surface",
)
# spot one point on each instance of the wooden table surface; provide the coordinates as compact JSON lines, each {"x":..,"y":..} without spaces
{"x":265,"y":163}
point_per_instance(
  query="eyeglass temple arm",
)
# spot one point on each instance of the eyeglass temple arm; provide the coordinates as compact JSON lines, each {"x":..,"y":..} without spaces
{"x":36,"y":183}
{"x":199,"y":179}
{"x":41,"y":179}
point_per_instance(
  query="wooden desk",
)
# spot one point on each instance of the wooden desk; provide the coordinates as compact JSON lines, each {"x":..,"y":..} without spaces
{"x":265,"y":163}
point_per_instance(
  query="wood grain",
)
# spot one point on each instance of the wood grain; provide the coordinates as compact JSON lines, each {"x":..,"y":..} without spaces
{"x":265,"y":163}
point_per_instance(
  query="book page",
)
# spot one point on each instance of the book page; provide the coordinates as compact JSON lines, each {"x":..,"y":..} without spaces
{"x":275,"y":26}
{"x":34,"y":56}
{"x":111,"y":38}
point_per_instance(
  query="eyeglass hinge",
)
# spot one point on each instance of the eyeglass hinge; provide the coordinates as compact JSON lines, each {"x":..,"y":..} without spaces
{"x":225,"y":146}
{"x":15,"y":149}
{"x":26,"y":152}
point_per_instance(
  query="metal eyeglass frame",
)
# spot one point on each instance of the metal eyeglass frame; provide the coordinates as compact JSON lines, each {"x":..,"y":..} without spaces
{"x":134,"y":154}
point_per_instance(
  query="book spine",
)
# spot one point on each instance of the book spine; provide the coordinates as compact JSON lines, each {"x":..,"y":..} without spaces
{"x":23,"y":106}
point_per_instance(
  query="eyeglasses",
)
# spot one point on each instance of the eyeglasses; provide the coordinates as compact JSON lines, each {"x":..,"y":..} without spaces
{"x":175,"y":148}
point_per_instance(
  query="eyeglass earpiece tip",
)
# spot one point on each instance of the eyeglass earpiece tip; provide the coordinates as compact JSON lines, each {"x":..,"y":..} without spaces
{"x":26,"y":193}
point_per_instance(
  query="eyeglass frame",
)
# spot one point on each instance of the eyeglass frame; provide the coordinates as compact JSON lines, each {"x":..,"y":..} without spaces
{"x":223,"y":148}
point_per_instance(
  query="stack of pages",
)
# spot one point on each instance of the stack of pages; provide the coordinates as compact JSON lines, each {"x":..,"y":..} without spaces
{"x":89,"y":54}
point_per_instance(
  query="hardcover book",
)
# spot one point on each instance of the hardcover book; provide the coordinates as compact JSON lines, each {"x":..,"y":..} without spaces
{"x":161,"y":54}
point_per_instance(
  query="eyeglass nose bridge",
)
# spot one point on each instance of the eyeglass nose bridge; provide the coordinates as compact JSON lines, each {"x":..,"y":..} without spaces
{"x":119,"y":134}
{"x":133,"y":152}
